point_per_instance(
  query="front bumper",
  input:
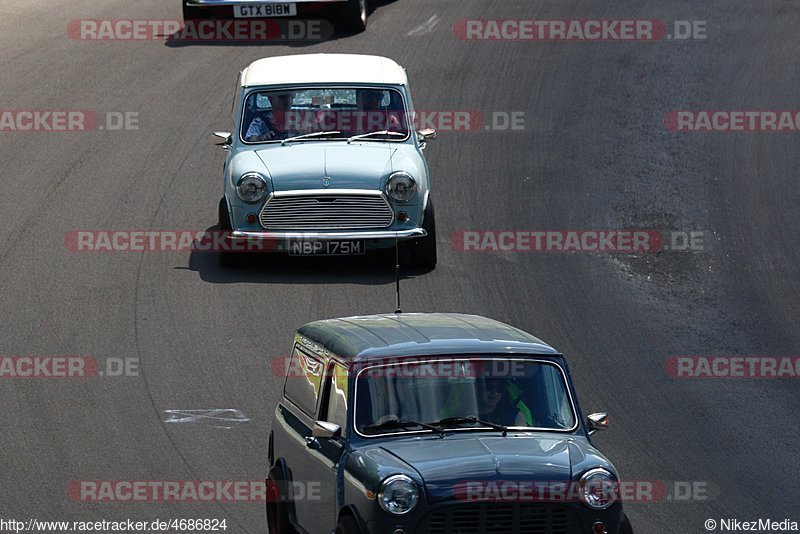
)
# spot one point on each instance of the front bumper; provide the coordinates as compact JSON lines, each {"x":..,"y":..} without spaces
{"x":331,"y":235}
{"x":223,"y":3}
{"x":279,"y":241}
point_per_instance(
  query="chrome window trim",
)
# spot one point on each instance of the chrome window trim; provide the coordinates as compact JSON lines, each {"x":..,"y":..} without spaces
{"x":481,"y":357}
{"x":250,"y":90}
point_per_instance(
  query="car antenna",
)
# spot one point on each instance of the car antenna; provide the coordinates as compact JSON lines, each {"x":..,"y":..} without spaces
{"x":397,"y":274}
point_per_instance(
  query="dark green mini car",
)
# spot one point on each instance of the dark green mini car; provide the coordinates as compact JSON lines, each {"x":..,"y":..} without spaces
{"x":434,"y":423}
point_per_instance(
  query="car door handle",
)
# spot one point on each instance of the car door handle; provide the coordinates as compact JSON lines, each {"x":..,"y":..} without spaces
{"x":312,"y":442}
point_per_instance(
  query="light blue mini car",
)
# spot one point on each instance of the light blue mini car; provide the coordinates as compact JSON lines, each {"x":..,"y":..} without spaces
{"x":324,"y":160}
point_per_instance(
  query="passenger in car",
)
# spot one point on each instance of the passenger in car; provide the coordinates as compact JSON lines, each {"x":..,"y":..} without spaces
{"x":271,"y":123}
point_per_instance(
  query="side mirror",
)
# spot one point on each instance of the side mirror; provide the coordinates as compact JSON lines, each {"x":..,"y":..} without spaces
{"x":597,"y":421}
{"x":220,"y":138}
{"x":427,"y":133}
{"x":326,"y":430}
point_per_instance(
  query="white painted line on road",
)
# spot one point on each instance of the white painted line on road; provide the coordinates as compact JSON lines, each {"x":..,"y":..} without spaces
{"x":425,"y":27}
{"x":216,"y":417}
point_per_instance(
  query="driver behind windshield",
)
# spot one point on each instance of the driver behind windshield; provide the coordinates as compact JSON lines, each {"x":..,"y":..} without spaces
{"x":500,"y":401}
{"x":374,"y":115}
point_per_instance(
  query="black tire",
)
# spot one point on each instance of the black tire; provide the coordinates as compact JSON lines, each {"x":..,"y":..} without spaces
{"x":347,"y":525}
{"x":227,"y":259}
{"x":421,"y":253}
{"x":195,"y":13}
{"x":277,"y":506}
{"x":352,"y":17}
{"x":626,"y":527}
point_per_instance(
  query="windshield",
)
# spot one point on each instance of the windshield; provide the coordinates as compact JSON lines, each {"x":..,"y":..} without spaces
{"x":513,"y":392}
{"x":271,"y":116}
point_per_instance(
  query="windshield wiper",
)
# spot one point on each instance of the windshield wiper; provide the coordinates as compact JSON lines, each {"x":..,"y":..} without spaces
{"x":402,"y":423}
{"x":370,"y":134}
{"x":449,"y":421}
{"x":307,"y":136}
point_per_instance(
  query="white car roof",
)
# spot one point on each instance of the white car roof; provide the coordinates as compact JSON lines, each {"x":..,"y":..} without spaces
{"x":324,"y":68}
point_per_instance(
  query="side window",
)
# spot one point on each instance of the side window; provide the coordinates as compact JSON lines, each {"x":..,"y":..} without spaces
{"x":302,"y":384}
{"x":338,"y":396}
{"x":559,"y":411}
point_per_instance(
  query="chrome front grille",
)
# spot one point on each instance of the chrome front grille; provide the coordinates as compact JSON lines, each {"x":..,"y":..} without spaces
{"x":338,"y":211}
{"x":502,"y":518}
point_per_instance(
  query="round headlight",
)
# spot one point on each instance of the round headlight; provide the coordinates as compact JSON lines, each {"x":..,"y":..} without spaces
{"x":599,"y":489}
{"x":401,"y":187}
{"x":251,"y":187}
{"x":398,"y":495}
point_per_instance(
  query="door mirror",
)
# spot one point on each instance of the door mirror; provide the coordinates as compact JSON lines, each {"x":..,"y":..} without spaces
{"x":597,"y":421}
{"x":427,"y":133}
{"x":326,"y":430}
{"x":220,"y":138}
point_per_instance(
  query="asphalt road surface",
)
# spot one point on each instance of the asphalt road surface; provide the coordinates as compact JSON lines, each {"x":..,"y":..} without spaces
{"x":594,"y":153}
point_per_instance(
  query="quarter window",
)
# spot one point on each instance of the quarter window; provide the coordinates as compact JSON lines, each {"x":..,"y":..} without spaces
{"x":303,"y":382}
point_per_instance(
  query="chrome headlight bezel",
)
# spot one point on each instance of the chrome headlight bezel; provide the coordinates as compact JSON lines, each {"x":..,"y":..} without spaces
{"x":408,"y":190}
{"x":398,"y":483}
{"x":602,"y":480}
{"x":261,"y":184}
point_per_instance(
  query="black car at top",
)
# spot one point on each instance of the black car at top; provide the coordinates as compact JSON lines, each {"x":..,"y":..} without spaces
{"x":431,"y":424}
{"x":346,"y":15}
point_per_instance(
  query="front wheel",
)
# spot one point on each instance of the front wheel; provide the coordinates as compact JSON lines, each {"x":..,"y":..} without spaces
{"x":353,"y":17}
{"x":347,"y":525}
{"x":626,"y":525}
{"x":227,"y":259}
{"x":277,"y":507}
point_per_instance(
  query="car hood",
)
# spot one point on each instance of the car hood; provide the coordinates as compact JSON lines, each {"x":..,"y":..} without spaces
{"x":447,"y":465}
{"x":302,"y":165}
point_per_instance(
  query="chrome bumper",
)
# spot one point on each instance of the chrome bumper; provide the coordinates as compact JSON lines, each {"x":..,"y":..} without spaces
{"x":212,"y":3}
{"x":331,"y":235}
